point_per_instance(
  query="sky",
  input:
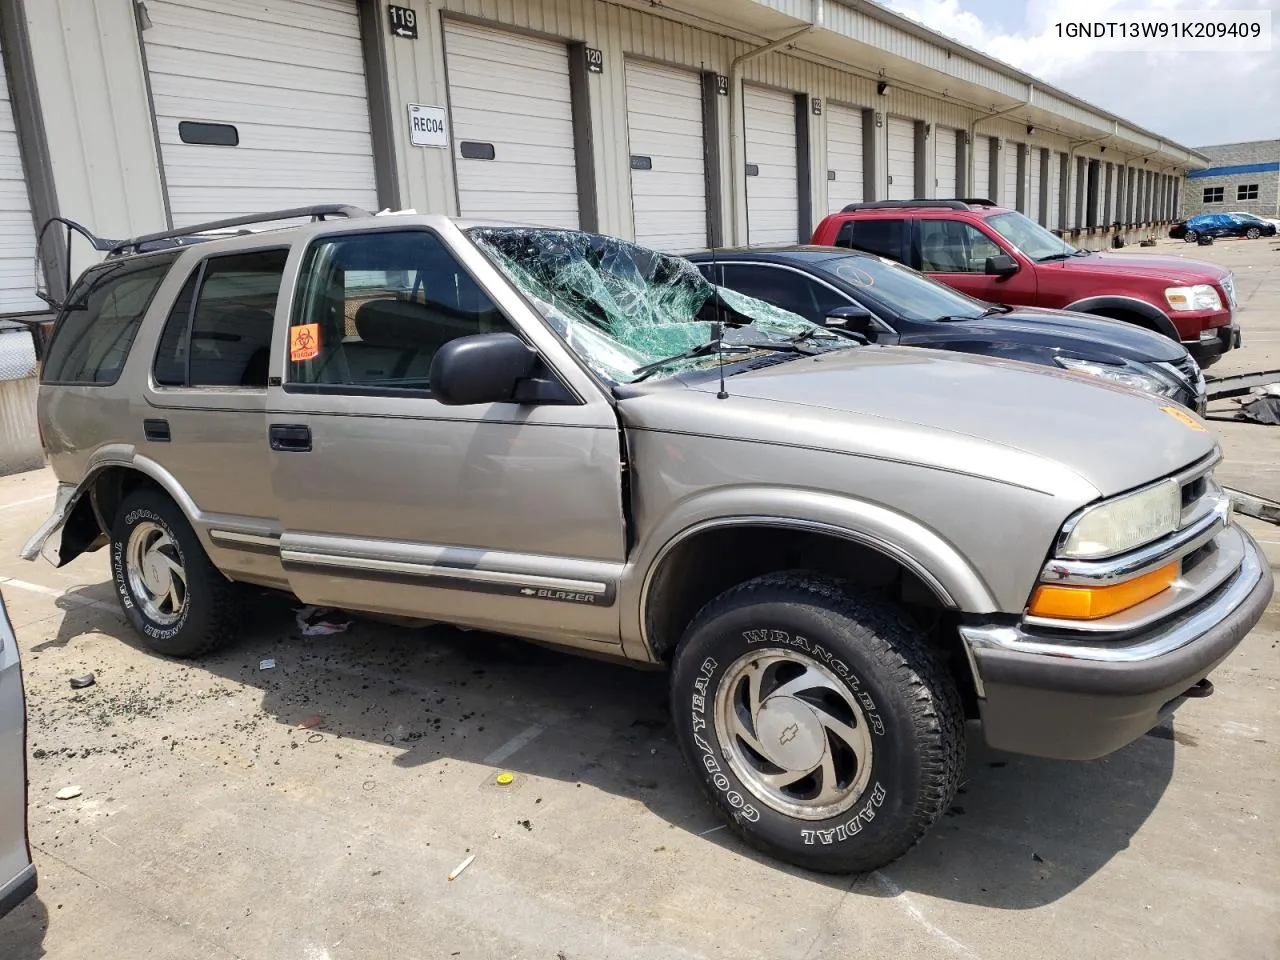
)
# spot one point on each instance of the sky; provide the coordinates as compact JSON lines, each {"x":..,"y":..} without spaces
{"x":1193,"y":99}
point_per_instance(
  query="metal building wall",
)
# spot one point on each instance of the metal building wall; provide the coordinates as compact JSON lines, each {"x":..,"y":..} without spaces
{"x":93,"y":94}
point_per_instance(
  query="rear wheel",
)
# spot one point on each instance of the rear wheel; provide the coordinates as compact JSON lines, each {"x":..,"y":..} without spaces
{"x":1190,"y":236}
{"x":172,"y":594}
{"x":1253,"y":233}
{"x":818,"y":721}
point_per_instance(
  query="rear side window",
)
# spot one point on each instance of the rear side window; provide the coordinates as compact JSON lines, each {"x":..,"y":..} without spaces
{"x":882,"y":237}
{"x":93,"y":337}
{"x":218,"y":333}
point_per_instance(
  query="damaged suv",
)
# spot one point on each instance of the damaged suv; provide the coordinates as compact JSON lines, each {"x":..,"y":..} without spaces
{"x":841,"y":551}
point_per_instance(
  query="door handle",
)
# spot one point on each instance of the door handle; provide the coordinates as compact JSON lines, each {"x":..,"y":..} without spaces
{"x":156,"y":431}
{"x":290,"y":437}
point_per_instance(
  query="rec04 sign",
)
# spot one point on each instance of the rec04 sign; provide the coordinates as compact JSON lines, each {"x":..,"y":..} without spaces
{"x":428,"y":126}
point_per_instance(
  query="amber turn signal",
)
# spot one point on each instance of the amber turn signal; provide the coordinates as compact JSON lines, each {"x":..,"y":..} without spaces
{"x":1091,"y":603}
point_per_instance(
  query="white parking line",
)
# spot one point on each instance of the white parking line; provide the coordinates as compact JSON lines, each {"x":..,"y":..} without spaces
{"x":61,"y":595}
{"x":23,"y":503}
{"x":898,"y":895}
{"x":521,"y":739}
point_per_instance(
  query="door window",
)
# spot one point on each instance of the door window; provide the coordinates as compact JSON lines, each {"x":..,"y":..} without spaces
{"x":784,"y":288}
{"x":879,"y":236}
{"x":950,"y":246}
{"x":373,"y":309}
{"x":222,"y":336}
{"x":101,"y":318}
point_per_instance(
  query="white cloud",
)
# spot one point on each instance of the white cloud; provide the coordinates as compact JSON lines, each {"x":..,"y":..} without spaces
{"x":1192,"y":98}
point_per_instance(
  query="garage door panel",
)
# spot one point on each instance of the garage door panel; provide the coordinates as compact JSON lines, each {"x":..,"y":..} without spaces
{"x":512,"y":92}
{"x":664,"y":123}
{"x":289,"y":76}
{"x":773,"y":204}
{"x":844,"y":157}
{"x":945,"y":162}
{"x":17,"y":232}
{"x":902,"y":158}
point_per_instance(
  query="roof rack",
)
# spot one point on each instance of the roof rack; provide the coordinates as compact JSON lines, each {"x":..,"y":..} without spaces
{"x":318,"y":212}
{"x":950,"y":204}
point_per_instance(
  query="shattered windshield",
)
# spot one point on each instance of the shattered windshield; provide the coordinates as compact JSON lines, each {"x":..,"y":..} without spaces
{"x":621,"y":306}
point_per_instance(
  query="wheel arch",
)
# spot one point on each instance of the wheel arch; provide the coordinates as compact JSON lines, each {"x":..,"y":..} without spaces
{"x":1147,"y":314}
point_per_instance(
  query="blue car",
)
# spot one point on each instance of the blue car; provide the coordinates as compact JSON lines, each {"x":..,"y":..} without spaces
{"x":1218,"y":225}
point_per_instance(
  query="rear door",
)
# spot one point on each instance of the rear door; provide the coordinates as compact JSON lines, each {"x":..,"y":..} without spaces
{"x":504,"y":516}
{"x":17,"y":875}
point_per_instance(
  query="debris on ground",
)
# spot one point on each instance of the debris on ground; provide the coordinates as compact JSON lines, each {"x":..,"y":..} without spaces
{"x":267,"y":664}
{"x":311,"y":722}
{"x":457,"y":871}
{"x":1037,"y":858}
{"x":1264,"y":410}
{"x":79,"y":683}
{"x":68,"y":793}
{"x":526,"y":824}
{"x":505,"y":779}
{"x":321,"y":621}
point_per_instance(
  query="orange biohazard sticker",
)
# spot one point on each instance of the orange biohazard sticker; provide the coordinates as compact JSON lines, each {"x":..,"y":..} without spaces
{"x":1185,"y":418}
{"x":304,"y":342}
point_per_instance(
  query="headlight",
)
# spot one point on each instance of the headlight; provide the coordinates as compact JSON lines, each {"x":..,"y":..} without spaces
{"x":1200,"y":297}
{"x":1124,"y":376}
{"x":1126,"y":522}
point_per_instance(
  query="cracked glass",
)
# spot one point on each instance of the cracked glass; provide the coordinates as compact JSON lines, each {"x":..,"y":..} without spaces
{"x":621,"y":306}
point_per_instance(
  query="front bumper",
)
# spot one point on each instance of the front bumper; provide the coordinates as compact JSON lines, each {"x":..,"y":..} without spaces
{"x":1206,"y":351}
{"x":1077,"y":701}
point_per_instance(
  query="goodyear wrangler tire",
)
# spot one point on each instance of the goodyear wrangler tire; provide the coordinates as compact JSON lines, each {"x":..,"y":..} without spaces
{"x":170,"y":591}
{"x":818,"y":721}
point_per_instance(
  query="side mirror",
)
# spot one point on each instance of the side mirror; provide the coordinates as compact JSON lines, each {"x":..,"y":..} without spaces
{"x":1001,"y":265}
{"x":854,"y":318}
{"x":486,"y":368}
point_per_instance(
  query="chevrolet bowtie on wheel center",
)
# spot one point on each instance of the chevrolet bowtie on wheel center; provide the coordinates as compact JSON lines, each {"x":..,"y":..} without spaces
{"x":841,"y":550}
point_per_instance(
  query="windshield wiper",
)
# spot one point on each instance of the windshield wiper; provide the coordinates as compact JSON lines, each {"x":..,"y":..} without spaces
{"x":739,"y":348}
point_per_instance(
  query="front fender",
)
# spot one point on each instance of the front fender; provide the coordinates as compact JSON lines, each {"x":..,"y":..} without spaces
{"x":1142,"y":308}
{"x":956,"y":583}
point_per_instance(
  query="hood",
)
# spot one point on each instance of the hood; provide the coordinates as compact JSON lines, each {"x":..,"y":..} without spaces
{"x":1030,"y":426}
{"x":1174,"y":270}
{"x":1079,"y":334}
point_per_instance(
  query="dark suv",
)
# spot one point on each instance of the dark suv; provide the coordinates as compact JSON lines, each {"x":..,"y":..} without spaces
{"x":999,"y":255}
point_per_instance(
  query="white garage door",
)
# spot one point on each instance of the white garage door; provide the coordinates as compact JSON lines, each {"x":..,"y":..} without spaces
{"x":17,"y":234}
{"x":773,"y":206}
{"x":668,"y":167}
{"x":1009,"y":157}
{"x":279,"y":88}
{"x":981,"y":188}
{"x":844,"y":157}
{"x":1053,"y":221}
{"x":902,"y":159}
{"x":944,"y":162}
{"x":512,"y":126}
{"x":1033,"y":183}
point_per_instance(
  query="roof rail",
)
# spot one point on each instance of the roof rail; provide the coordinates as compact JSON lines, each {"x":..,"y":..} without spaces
{"x":318,"y":212}
{"x":906,"y":204}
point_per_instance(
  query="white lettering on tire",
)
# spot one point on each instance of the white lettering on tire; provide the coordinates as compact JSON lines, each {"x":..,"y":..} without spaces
{"x":698,"y":702}
{"x":853,"y":826}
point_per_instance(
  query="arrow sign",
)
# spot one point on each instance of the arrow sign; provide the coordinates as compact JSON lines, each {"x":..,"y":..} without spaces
{"x":403,"y":22}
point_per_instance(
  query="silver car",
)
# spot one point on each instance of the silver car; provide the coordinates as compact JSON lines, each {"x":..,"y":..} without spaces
{"x":17,"y":874}
{"x":841,"y":551}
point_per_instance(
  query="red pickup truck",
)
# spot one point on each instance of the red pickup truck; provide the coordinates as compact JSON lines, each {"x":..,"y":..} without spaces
{"x":1001,"y":256}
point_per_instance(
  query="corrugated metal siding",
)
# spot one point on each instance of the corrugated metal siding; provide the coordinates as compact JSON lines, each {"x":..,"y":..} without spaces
{"x":17,"y":232}
{"x":94,"y":99}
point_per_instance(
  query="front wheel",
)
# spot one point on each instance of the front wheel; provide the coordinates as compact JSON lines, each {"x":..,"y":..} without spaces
{"x":172,"y":594}
{"x":1253,"y":233}
{"x":819,"y":722}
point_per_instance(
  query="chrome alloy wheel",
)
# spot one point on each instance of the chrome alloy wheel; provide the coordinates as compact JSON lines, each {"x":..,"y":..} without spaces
{"x":793,"y":734}
{"x":157,"y":580}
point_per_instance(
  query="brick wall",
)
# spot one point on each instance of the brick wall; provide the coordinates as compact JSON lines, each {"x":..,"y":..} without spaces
{"x":1234,"y":155}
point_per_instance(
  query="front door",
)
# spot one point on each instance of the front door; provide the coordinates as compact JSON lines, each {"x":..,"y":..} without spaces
{"x":505,"y":516}
{"x":956,"y":253}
